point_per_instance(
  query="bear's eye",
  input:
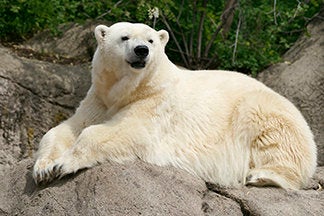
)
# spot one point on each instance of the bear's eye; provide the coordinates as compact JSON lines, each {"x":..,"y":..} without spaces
{"x":125,"y":38}
{"x":150,"y":41}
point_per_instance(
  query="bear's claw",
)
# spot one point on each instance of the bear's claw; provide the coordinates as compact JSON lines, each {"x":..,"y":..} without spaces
{"x":47,"y":175}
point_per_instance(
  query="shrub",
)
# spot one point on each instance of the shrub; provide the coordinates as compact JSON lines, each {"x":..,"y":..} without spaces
{"x":244,"y":35}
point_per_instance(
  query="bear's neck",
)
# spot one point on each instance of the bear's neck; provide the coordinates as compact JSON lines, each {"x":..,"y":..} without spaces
{"x":116,"y":93}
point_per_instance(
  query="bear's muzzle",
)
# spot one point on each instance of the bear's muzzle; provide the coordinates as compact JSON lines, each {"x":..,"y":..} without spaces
{"x":139,"y":59}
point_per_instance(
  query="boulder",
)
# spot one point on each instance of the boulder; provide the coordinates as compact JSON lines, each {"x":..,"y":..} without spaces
{"x":112,"y":189}
{"x":34,"y":96}
{"x":72,"y":40}
{"x":143,"y":189}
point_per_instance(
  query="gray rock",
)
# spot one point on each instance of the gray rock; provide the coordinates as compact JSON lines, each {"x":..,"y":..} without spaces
{"x":142,"y":189}
{"x":270,"y":201}
{"x":113,"y":189}
{"x":73,"y":41}
{"x":34,"y":96}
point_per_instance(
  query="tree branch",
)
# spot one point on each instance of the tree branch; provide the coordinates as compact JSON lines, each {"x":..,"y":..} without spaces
{"x":236,"y":36}
{"x":104,"y":14}
{"x":185,"y":44}
{"x":220,"y":26}
{"x":194,"y":16}
{"x":180,"y":10}
{"x":175,"y":40}
{"x":274,"y":12}
{"x":226,"y":15}
{"x":200,"y":29}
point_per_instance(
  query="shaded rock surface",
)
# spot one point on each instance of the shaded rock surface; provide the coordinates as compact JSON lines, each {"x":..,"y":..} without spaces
{"x":74,"y":41}
{"x":37,"y":95}
{"x":113,"y":189}
{"x":34,"y":96}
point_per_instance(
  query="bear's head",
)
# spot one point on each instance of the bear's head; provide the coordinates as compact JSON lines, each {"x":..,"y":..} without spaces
{"x":128,"y":47}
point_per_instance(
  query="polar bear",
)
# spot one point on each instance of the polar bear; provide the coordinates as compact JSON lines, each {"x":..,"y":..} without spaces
{"x":222,"y":126}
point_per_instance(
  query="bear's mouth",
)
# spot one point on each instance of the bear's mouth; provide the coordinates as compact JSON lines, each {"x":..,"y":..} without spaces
{"x":137,"y":64}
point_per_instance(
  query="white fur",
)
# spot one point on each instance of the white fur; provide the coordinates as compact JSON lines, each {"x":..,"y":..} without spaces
{"x":223,"y":126}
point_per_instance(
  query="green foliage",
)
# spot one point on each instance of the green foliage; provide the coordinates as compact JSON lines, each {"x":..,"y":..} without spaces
{"x":258,"y":35}
{"x":267,"y":31}
{"x":20,"y":19}
{"x":204,"y":34}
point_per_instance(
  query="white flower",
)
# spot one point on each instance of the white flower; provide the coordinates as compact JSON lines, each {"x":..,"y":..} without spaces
{"x":153,"y":13}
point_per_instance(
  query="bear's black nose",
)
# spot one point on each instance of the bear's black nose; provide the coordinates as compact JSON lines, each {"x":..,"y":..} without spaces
{"x":141,"y":51}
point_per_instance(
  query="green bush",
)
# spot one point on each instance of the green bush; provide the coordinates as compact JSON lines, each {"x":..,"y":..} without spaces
{"x":244,"y":35}
{"x":252,"y":37}
{"x":20,"y":19}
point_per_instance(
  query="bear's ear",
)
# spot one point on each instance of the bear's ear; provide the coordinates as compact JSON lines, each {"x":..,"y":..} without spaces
{"x":164,"y":36}
{"x":101,"y":33}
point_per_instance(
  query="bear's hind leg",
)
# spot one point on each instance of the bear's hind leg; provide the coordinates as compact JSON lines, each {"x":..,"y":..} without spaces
{"x":282,"y":150}
{"x":276,"y":157}
{"x":270,"y":177}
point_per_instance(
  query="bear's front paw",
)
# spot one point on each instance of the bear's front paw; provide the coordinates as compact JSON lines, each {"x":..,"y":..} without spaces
{"x":65,"y":165}
{"x":44,"y":171}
